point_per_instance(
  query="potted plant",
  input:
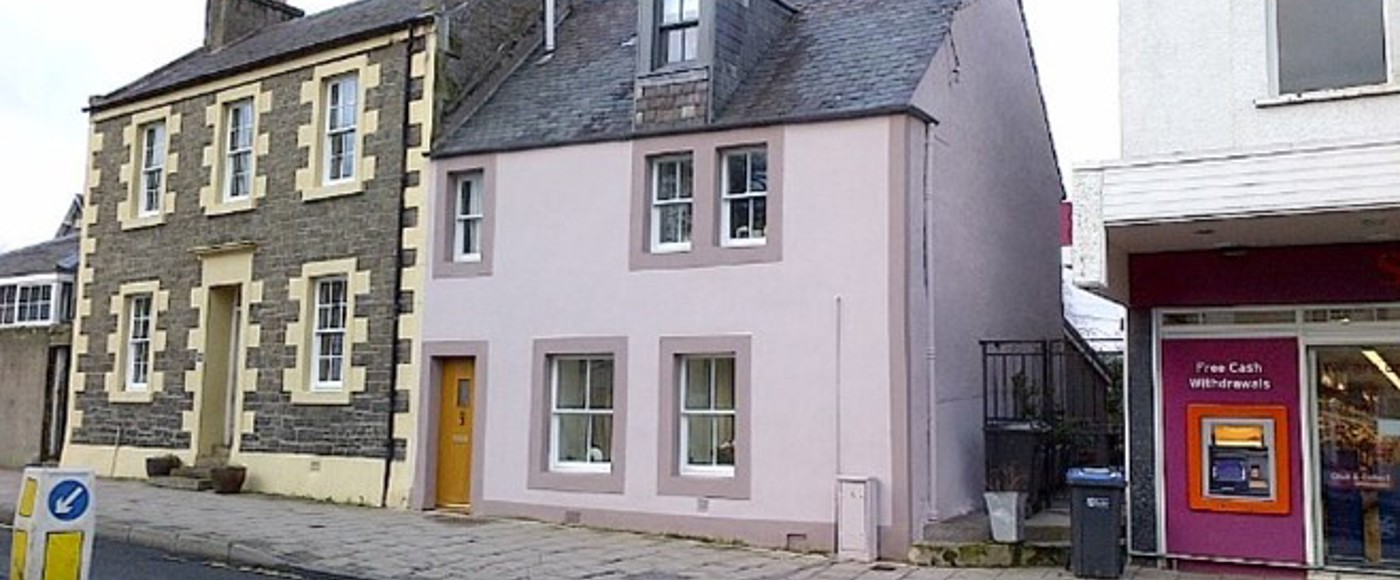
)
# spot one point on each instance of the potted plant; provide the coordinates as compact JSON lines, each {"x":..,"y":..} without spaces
{"x":1006,"y":502}
{"x":161,"y":465}
{"x":228,"y":478}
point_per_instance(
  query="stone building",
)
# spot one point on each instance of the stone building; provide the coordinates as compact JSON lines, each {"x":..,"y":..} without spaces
{"x":36,"y":306}
{"x":240,"y":295}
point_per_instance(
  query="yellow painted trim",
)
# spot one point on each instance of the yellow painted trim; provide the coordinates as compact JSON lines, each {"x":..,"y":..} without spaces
{"x":225,"y":266}
{"x":124,"y":462}
{"x":350,"y":480}
{"x":297,"y":380}
{"x":115,"y":381}
{"x":211,"y":195}
{"x":127,"y":210}
{"x":310,"y":181}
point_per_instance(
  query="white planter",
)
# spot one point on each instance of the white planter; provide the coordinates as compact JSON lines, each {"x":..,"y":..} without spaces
{"x":1006,"y":510}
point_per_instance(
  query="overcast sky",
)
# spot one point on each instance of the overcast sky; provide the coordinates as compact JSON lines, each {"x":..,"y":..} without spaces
{"x":57,"y":55}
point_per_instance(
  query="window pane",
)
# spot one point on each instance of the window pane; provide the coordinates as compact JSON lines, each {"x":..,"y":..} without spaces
{"x":471,"y":236}
{"x":759,"y":216}
{"x":675,"y":223}
{"x":738,"y":173}
{"x":725,"y":435}
{"x":700,"y":440}
{"x":724,"y":383}
{"x":670,"y":11}
{"x":690,"y":9}
{"x":739,"y":227}
{"x":600,"y":448}
{"x":687,"y":180}
{"x":571,"y":380}
{"x":690,"y":41}
{"x":572,"y":442}
{"x":758,"y":171}
{"x":667,"y":180}
{"x":600,"y":384}
{"x":697,"y":383}
{"x":1329,"y":45}
{"x":675,"y":45}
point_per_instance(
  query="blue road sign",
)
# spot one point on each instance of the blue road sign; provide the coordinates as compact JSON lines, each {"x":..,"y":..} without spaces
{"x":69,"y":500}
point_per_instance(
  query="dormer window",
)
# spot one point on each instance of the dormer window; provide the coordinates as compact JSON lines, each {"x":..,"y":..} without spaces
{"x":678,"y":33}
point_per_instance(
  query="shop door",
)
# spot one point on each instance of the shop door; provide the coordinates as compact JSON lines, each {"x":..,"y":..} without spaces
{"x":1358,"y":412}
{"x":455,"y":433}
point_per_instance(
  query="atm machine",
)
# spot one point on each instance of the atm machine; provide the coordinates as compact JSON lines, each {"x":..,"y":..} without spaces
{"x":1236,"y":454}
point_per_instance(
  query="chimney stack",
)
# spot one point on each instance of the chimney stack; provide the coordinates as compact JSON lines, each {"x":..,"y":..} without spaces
{"x":228,"y":21}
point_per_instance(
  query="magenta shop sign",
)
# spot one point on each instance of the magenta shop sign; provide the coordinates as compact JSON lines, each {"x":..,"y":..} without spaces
{"x":1230,"y":372}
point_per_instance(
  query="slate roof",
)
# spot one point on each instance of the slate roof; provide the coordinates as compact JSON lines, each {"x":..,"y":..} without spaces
{"x":837,"y":58}
{"x":338,"y":25}
{"x":56,"y":255}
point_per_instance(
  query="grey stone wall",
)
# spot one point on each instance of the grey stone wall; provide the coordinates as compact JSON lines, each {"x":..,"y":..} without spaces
{"x":1142,"y":445}
{"x":24,"y":365}
{"x":743,"y":31}
{"x":485,"y":42}
{"x":288,"y":233}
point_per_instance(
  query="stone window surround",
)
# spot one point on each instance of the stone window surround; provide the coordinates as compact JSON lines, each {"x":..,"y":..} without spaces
{"x":670,"y":480}
{"x":310,"y":180}
{"x":540,"y":476}
{"x":128,"y":210}
{"x":118,"y":308}
{"x":211,"y":196}
{"x":708,"y":150}
{"x":297,"y":380}
{"x":444,"y":264}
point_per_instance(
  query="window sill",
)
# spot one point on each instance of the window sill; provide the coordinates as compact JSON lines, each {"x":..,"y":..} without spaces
{"x":1325,"y":95}
{"x":131,"y":397}
{"x":321,"y":398}
{"x":467,"y":259}
{"x":740,"y":244}
{"x":230,"y":207}
{"x":142,"y":222}
{"x":663,"y":250}
{"x":334,"y":189}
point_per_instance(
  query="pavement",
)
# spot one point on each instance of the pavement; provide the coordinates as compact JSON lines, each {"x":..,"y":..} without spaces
{"x":379,"y":544}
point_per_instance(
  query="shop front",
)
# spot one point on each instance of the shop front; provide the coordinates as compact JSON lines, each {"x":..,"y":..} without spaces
{"x":1264,"y":426}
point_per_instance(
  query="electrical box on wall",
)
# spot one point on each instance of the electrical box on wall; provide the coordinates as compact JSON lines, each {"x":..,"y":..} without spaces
{"x":857,"y":510}
{"x":1238,"y":458}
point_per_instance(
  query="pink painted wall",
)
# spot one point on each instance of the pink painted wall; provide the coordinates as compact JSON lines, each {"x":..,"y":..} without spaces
{"x":561,"y":270}
{"x":1200,"y":533}
{"x":1293,"y":275}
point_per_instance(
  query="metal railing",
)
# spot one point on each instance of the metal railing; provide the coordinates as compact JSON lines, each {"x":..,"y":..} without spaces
{"x":1059,"y":397}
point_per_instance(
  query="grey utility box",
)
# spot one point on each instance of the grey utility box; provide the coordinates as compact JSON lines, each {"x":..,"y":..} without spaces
{"x":1096,"y":522}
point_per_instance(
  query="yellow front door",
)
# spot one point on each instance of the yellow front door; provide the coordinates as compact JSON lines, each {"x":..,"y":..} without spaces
{"x":454,"y":481}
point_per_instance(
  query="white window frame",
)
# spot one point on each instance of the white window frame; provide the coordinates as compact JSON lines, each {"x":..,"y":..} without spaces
{"x":465,"y":217}
{"x":322,"y":326}
{"x":729,"y":197}
{"x":150,"y":195}
{"x":337,"y":88}
{"x":555,"y":412}
{"x":681,"y":162}
{"x":13,"y":305}
{"x":236,"y":148}
{"x":142,"y":344}
{"x":685,"y":20}
{"x":683,"y":383}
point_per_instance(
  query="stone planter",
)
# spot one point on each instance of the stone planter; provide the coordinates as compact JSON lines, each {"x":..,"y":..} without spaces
{"x":228,"y":479}
{"x":161,"y":466}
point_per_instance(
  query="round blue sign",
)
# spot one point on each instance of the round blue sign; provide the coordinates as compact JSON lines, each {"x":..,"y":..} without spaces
{"x":69,"y":500}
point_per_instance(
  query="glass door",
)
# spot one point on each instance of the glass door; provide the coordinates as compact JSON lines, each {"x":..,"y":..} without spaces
{"x":1358,"y":437}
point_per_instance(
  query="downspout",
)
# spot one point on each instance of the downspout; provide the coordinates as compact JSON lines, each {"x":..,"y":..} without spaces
{"x":549,"y":25}
{"x":393,"y":395}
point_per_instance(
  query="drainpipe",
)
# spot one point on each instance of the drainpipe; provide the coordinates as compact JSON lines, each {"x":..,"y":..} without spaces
{"x":397,"y":287}
{"x":549,"y":26}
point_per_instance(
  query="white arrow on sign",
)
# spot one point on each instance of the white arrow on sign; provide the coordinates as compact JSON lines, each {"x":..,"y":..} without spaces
{"x":65,"y":505}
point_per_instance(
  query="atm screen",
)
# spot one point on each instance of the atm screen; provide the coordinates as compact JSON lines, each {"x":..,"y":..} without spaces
{"x":1231,"y":470}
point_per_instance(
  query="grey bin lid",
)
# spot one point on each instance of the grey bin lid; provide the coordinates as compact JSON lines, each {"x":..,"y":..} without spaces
{"x":1095,"y":477}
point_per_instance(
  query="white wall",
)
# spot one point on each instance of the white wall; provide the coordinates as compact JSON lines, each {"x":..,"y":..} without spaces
{"x":561,"y":270}
{"x":994,"y":218}
{"x":1192,"y":71}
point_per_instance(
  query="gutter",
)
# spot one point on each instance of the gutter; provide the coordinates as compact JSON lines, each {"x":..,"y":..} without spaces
{"x":632,"y":135}
{"x":397,"y":287}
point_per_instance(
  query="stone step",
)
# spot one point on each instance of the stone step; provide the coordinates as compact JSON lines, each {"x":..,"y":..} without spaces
{"x":182,"y":483}
{"x":990,"y":555}
{"x":1048,"y":526}
{"x":197,"y":472}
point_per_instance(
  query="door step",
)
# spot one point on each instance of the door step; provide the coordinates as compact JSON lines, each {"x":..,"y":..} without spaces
{"x":182,"y":483}
{"x":990,"y":555}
